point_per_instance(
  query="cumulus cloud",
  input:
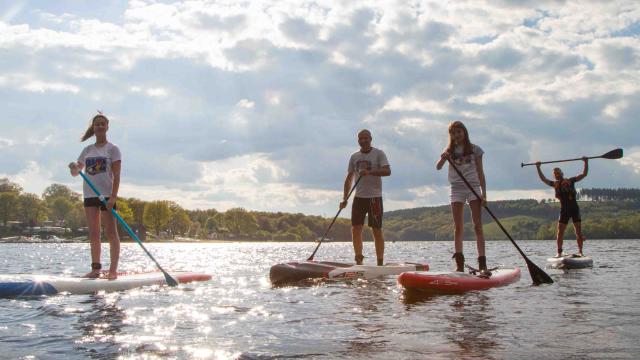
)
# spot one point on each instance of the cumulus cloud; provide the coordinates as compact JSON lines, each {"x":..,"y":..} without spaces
{"x":257,"y":104}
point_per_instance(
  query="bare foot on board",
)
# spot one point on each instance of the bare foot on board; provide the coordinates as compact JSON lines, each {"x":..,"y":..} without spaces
{"x":93,"y":274}
{"x":112,"y":275}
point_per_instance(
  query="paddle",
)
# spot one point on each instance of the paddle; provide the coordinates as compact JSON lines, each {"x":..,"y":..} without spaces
{"x":168,"y":278}
{"x":611,"y":155}
{"x":334,"y":220}
{"x":537,"y":275}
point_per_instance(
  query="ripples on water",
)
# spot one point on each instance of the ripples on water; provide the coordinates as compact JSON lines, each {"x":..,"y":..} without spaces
{"x":586,"y":314}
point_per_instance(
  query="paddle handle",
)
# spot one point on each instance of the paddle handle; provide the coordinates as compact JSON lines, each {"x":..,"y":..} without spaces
{"x":333,"y":221}
{"x":170,"y":280}
{"x":558,"y":161}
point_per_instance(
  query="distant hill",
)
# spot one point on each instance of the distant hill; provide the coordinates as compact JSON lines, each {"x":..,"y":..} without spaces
{"x":524,"y":219}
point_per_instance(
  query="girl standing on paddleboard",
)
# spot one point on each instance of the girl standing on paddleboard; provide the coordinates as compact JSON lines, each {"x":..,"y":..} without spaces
{"x":468,"y":159}
{"x":102,"y":162}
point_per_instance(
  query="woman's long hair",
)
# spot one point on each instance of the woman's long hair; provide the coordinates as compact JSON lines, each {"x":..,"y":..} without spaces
{"x":89,"y":132}
{"x":467,"y":147}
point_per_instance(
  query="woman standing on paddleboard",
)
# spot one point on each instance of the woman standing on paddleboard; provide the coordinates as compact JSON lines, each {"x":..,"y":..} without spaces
{"x":102,"y":162}
{"x":468,"y":159}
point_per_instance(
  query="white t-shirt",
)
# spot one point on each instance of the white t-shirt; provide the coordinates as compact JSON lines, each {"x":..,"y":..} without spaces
{"x":466,"y":165}
{"x":97,"y":162}
{"x":369,"y":186}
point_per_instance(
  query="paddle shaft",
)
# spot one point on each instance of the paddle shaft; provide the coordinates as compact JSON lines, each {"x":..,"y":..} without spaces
{"x":558,"y":161}
{"x":333,"y":221}
{"x":530,"y":264}
{"x":170,"y":280}
{"x":611,"y":155}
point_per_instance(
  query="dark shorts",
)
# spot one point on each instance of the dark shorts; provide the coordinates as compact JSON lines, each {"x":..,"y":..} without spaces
{"x":569,"y":212}
{"x":363,"y":206}
{"x":95,"y":202}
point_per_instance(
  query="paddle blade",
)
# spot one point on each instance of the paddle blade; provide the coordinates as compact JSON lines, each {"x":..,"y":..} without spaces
{"x":538,"y":275}
{"x":171,"y":281}
{"x":613,"y":154}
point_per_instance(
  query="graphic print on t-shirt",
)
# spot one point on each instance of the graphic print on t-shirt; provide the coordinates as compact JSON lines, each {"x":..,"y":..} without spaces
{"x":459,"y":159}
{"x":96,"y":165}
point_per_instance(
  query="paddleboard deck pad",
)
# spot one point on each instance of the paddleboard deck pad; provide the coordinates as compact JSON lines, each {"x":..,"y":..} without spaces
{"x":572,"y":261}
{"x":33,"y":285}
{"x":456,"y":282}
{"x":293,"y":272}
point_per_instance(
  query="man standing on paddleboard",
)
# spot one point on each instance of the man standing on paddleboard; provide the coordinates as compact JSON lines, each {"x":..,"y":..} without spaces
{"x":566,"y":193}
{"x":370,"y":164}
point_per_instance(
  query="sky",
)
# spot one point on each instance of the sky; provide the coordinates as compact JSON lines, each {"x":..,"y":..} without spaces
{"x":257,"y":104}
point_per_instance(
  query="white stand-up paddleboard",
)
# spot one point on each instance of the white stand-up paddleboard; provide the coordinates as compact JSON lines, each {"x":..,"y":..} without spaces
{"x":293,"y":272}
{"x":571,"y":261}
{"x":30,"y":285}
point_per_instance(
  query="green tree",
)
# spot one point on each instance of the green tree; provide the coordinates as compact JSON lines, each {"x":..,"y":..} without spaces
{"x":156,"y":216}
{"x":8,"y":186}
{"x":239,"y":221}
{"x":194,"y":229}
{"x":76,"y":218}
{"x":137,"y":206}
{"x":32,"y":209}
{"x":180,"y":222}
{"x":8,"y":206}
{"x":59,"y":191}
{"x":214,"y":223}
{"x":303,"y":232}
{"x":60,"y":207}
{"x":125,"y":211}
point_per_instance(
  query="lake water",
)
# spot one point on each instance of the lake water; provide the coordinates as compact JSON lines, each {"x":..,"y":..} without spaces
{"x":586,"y":314}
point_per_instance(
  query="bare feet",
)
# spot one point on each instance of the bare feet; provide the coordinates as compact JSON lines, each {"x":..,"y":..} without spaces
{"x":112,"y":275}
{"x":93,"y":274}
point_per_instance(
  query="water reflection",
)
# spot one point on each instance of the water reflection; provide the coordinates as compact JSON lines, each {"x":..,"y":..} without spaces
{"x":472,"y":326}
{"x":467,"y":320}
{"x":367,"y":308}
{"x":99,"y":326}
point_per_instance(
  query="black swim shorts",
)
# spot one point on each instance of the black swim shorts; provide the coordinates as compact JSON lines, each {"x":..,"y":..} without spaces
{"x":95,"y":202}
{"x":363,"y":206}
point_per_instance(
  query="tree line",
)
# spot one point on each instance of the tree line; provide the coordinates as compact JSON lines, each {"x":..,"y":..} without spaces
{"x":603,"y":194}
{"x":609,"y":213}
{"x":158,"y":219}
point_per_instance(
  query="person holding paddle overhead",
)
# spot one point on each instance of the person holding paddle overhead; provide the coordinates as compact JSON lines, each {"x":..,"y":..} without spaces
{"x":370,"y":164}
{"x":566,"y":193}
{"x":102,"y":162}
{"x":468,"y":160}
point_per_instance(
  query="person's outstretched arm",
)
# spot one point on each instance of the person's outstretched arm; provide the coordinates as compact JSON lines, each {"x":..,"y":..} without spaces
{"x":541,"y":175}
{"x":585,"y":171}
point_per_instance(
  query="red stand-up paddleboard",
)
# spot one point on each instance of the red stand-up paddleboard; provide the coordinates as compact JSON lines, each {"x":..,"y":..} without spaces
{"x":456,"y":282}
